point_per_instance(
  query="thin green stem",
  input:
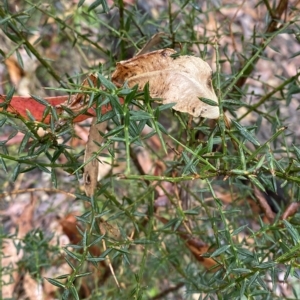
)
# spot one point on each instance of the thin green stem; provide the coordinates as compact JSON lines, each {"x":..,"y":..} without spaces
{"x":122,"y":29}
{"x":33,"y":50}
{"x":248,"y":67}
{"x":268,"y":96}
{"x":78,"y":33}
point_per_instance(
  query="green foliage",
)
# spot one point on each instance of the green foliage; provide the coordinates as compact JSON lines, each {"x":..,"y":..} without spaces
{"x":36,"y":252}
{"x":205,"y":164}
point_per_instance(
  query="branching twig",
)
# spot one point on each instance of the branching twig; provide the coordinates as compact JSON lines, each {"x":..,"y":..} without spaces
{"x":272,"y":27}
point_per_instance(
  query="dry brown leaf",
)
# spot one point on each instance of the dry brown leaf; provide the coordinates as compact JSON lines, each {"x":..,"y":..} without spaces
{"x":198,"y":248}
{"x":290,"y":210}
{"x":14,"y":70}
{"x":91,"y":168}
{"x":270,"y":215}
{"x":182,"y":80}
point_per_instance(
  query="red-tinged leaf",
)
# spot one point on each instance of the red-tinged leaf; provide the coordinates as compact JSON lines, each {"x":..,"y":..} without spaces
{"x":19,"y":105}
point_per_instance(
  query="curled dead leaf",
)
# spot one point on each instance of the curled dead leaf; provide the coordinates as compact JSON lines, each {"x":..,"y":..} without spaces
{"x":270,"y":215}
{"x":290,"y":210}
{"x":182,"y":80}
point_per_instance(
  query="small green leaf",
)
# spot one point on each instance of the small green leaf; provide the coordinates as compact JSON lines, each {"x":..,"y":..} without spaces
{"x":266,"y":265}
{"x":3,"y":121}
{"x":106,"y":252}
{"x":252,"y":279}
{"x":10,"y":94}
{"x":115,"y":131}
{"x":30,"y":116}
{"x":105,"y":6}
{"x":64,"y":276}
{"x":55,"y":282}
{"x":231,"y":102}
{"x":121,"y":250}
{"x":44,"y":169}
{"x":83,"y":274}
{"x":74,"y":292}
{"x":40,"y":100}
{"x":242,"y":157}
{"x":108,"y":84}
{"x":80,"y":3}
{"x":5,"y":20}
{"x":95,"y":259}
{"x":255,"y":181}
{"x":2,"y":162}
{"x":66,"y":109}
{"x":191,"y":212}
{"x":260,"y":163}
{"x":166,"y":106}
{"x":69,"y":263}
{"x":94,"y":5}
{"x":245,"y":133}
{"x":297,"y":152}
{"x":292,"y":231}
{"x":240,"y":271}
{"x":139,"y":116}
{"x":220,"y":251}
{"x":76,"y":256}
{"x":24,"y":142}
{"x":20,"y":59}
{"x":208,"y":101}
{"x":238,"y":230}
{"x":16,"y":172}
{"x":46,"y":112}
{"x":97,"y":240}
